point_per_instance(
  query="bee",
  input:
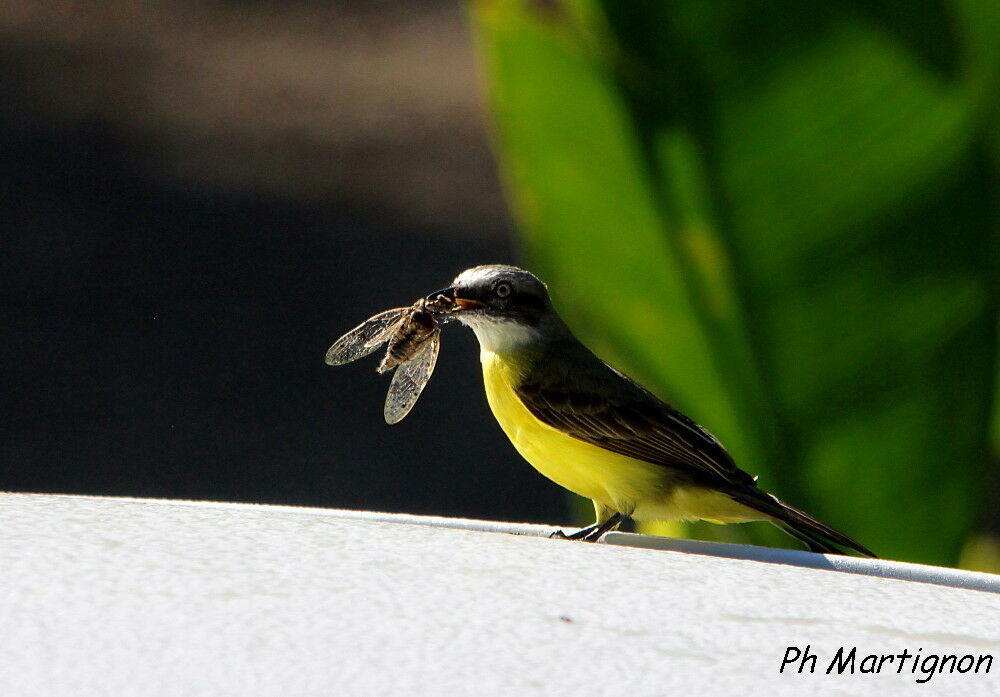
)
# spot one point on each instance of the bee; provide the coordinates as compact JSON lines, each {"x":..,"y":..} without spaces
{"x":414,"y":340}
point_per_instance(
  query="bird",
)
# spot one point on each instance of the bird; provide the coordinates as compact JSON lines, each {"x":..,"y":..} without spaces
{"x":596,"y":432}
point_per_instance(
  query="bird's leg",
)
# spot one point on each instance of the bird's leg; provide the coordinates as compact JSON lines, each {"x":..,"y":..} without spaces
{"x":592,"y":533}
{"x":598,"y":530}
{"x":582,"y":532}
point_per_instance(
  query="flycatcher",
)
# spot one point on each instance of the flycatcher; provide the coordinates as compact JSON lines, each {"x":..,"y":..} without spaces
{"x":596,"y":432}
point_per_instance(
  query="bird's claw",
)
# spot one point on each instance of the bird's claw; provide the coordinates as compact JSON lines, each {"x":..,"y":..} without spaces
{"x":583,"y":535}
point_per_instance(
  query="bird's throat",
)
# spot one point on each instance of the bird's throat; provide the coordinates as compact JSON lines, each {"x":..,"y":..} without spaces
{"x":502,"y":337}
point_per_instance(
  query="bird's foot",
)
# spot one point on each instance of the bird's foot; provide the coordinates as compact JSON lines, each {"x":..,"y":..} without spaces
{"x":591,"y":533}
{"x":583,"y":534}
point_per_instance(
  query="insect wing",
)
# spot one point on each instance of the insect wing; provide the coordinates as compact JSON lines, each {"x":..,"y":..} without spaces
{"x":364,"y":338}
{"x":409,"y":379}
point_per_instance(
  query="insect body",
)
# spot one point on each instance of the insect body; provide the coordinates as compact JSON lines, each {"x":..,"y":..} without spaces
{"x":415,"y":328}
{"x":414,"y":340}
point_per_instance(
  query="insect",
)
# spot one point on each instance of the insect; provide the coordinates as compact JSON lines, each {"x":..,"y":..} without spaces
{"x":413,"y":336}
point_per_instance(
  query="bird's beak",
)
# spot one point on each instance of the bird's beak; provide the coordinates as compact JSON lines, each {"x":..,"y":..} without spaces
{"x":451,"y":294}
{"x":448,"y":292}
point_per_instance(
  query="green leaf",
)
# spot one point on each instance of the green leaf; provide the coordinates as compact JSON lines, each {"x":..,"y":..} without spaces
{"x":782,"y":218}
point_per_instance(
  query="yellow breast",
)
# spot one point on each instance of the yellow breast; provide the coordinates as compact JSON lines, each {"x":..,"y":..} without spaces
{"x":614,"y":480}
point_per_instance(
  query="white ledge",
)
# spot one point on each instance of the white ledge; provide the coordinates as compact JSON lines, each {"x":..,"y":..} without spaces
{"x":881,"y":568}
{"x":136,"y":597}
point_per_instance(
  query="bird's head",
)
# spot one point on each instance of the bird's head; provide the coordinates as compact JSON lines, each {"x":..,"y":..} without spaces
{"x":505,"y":306}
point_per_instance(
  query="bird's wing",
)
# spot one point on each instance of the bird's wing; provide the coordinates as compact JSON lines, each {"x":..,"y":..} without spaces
{"x":575,"y":392}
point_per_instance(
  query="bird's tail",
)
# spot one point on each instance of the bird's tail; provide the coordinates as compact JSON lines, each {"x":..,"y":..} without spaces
{"x":817,"y":536}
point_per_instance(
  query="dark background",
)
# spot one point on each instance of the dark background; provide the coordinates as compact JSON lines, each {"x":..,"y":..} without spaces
{"x":196,"y":200}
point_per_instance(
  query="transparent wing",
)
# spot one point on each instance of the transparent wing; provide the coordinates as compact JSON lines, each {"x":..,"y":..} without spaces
{"x":364,"y":338}
{"x":409,"y":379}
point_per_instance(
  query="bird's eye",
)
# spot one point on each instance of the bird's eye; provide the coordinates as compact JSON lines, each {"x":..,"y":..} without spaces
{"x":503,"y":289}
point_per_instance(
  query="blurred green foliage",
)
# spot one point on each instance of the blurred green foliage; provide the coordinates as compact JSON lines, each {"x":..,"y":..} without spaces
{"x":782,"y":216}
